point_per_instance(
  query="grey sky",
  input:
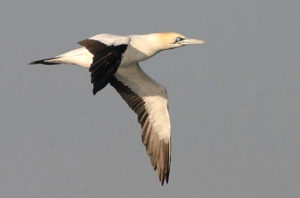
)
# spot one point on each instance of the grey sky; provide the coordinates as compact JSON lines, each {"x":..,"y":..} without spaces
{"x":234,"y":102}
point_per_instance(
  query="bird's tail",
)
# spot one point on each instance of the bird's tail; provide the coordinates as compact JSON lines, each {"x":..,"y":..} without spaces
{"x":47,"y":61}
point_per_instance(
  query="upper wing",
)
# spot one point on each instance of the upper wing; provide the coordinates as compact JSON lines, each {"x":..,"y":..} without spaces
{"x":107,"y":50}
{"x":149,"y":101}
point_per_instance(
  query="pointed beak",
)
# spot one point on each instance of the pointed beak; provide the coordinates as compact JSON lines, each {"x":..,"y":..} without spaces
{"x":190,"y":41}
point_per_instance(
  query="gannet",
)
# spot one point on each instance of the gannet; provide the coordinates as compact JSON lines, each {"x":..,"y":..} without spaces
{"x":114,"y":60}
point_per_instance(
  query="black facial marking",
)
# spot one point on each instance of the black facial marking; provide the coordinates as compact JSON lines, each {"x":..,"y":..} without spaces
{"x":178,"y":39}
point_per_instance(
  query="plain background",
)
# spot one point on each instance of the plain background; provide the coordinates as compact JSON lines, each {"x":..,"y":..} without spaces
{"x":234,"y":102}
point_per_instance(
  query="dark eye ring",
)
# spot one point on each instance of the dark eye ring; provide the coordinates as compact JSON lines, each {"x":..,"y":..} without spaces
{"x":179,"y":39}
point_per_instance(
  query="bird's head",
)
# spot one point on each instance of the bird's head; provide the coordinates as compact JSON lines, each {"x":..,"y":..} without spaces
{"x":151,"y":44}
{"x":170,"y":40}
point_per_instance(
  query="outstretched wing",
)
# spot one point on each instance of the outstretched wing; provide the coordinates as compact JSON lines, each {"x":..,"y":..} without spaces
{"x":148,"y":100}
{"x":107,"y":50}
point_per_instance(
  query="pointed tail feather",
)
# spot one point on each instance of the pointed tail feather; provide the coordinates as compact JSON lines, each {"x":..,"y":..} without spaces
{"x":46,"y":61}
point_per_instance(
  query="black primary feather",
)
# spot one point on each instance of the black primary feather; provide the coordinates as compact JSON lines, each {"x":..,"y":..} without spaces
{"x":106,"y":61}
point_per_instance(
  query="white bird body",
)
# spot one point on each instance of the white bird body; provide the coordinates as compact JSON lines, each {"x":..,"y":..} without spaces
{"x":82,"y":57}
{"x":114,"y":60}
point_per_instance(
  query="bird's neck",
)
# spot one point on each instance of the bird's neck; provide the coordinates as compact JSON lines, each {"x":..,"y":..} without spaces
{"x":149,"y":44}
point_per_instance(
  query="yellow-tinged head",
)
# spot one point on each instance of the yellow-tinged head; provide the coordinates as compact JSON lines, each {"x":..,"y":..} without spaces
{"x":170,"y":40}
{"x":151,"y":44}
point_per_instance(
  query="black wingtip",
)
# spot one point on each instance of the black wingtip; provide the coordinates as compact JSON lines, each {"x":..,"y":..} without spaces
{"x":95,"y":91}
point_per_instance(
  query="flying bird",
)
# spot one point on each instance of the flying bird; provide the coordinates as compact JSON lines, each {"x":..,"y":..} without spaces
{"x":114,"y":60}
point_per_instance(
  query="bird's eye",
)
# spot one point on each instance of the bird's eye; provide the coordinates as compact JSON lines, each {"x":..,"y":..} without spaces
{"x":179,"y":39}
